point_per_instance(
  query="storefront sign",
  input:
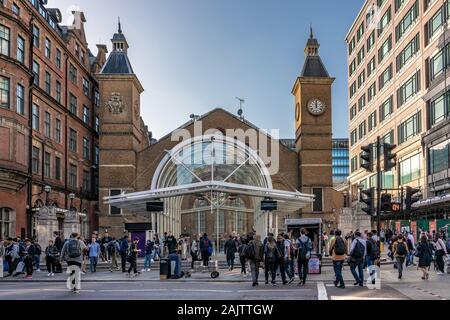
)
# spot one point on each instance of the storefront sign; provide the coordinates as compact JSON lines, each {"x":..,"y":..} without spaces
{"x":314,"y":265}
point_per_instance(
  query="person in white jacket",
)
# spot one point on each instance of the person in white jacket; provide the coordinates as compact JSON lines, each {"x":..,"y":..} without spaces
{"x":441,"y":252}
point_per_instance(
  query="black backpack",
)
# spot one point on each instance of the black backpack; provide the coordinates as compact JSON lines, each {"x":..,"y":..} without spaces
{"x":249,"y":251}
{"x":73,"y":249}
{"x":339,"y":247}
{"x":358,"y":251}
{"x":401,"y":248}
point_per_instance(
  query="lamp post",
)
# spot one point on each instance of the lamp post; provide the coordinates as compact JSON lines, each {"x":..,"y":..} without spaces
{"x":71,"y":197}
{"x":47,"y":190}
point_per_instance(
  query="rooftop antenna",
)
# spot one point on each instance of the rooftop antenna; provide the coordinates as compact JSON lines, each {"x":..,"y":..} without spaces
{"x":240,"y":111}
{"x":120,"y":26}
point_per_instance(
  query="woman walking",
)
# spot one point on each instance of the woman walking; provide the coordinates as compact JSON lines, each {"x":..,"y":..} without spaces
{"x":425,"y":255}
{"x":51,"y":254}
{"x":195,"y":249}
{"x":271,"y":255}
{"x":441,"y":251}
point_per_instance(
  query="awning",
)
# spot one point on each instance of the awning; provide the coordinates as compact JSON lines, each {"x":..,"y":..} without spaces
{"x":136,"y":202}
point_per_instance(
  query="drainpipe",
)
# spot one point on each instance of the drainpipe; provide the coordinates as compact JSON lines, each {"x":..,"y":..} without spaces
{"x":30,"y":136}
{"x":65,"y":134}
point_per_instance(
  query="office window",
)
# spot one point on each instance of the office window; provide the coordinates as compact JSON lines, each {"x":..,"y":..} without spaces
{"x":354,"y":164}
{"x":372,"y":120}
{"x":85,"y":115}
{"x":385,"y":49}
{"x":114,"y":210}
{"x":388,"y":137}
{"x":96,"y":98}
{"x":4,"y":40}
{"x":399,"y":4}
{"x":352,"y":89}
{"x":73,"y":136}
{"x":58,"y":91}
{"x":438,"y":157}
{"x":408,"y":52}
{"x":20,"y":99}
{"x":361,"y":102}
{"x":57,"y":168}
{"x":58,"y":137}
{"x":410,"y":88}
{"x":48,"y":83}
{"x":410,"y":169}
{"x":351,"y":46}
{"x":371,"y":92}
{"x":439,"y":62}
{"x":410,"y":128}
{"x":385,"y":77}
{"x":96,"y":155}
{"x":436,"y":22}
{"x":360,"y":32}
{"x":353,"y":112}
{"x":43,"y":12}
{"x":4,"y":92}
{"x":47,"y":124}
{"x":86,"y":87}
{"x":353,"y":137}
{"x":360,"y":56}
{"x":16,"y":9}
{"x":35,"y":159}
{"x":35,"y":118}
{"x":36,"y":36}
{"x":97,"y":124}
{"x":371,"y":41}
{"x":73,"y":176}
{"x":58,"y":58}
{"x":47,"y":172}
{"x":36,"y":72}
{"x":408,"y":19}
{"x":386,"y":108}
{"x":73,"y":74}
{"x":318,"y":205}
{"x":77,"y":49}
{"x":352,"y":67}
{"x":387,"y":180}
{"x":86,"y":181}
{"x":48,"y":48}
{"x":20,"y":49}
{"x":362,"y":130}
{"x":384,"y":21}
{"x":361,"y":79}
{"x":371,"y":67}
{"x":73,"y":103}
{"x":86,"y":149}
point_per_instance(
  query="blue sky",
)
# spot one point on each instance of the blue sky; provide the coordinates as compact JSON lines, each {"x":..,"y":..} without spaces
{"x":195,"y":55}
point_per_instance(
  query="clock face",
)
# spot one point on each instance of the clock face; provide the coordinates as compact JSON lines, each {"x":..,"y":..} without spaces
{"x":316,"y":107}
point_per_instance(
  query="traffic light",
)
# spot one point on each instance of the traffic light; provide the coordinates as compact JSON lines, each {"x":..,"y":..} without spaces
{"x":389,"y":157}
{"x":366,"y":159}
{"x":368,"y":197}
{"x":386,"y":202}
{"x":411,"y":198}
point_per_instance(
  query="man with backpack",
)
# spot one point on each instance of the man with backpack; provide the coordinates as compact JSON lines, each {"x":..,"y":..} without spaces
{"x":230,"y":251}
{"x":254,"y":253}
{"x":124,"y":252}
{"x":289,"y":258}
{"x":411,"y":249}
{"x":113,"y":248}
{"x":72,"y":253}
{"x":356,"y":260}
{"x":205,"y":249}
{"x":372,"y":253}
{"x":400,"y":251}
{"x":37,"y":255}
{"x":304,"y":245}
{"x":338,"y":250}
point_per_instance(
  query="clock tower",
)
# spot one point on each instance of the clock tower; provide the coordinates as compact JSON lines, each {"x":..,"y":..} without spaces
{"x":313,"y":125}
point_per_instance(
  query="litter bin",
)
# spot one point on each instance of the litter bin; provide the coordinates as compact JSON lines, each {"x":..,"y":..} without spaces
{"x":165,"y":269}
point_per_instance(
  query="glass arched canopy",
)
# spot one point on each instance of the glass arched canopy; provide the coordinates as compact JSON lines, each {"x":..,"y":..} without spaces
{"x":211,"y":158}
{"x":210,"y":163}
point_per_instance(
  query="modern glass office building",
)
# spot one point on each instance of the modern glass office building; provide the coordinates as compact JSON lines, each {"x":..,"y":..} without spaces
{"x":341,"y":160}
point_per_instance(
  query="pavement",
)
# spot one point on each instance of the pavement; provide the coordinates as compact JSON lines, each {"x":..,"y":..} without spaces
{"x":230,"y":285}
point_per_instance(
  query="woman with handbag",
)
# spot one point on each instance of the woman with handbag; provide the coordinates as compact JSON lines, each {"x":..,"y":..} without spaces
{"x":425,"y":254}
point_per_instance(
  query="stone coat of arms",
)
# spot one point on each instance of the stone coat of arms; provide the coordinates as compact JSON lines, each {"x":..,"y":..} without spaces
{"x":115,"y":103}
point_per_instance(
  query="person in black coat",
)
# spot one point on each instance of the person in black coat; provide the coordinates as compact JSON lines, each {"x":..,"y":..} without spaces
{"x":29,"y":253}
{"x":230,"y":252}
{"x":425,"y":254}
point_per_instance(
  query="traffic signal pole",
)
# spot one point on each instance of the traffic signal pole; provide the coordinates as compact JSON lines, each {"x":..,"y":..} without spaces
{"x":378,"y":185}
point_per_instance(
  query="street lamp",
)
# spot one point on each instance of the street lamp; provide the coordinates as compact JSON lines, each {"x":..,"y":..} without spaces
{"x":47,"y":190}
{"x":71,"y":197}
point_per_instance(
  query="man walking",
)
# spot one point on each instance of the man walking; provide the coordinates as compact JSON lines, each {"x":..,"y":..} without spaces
{"x":304,"y":246}
{"x":72,"y":253}
{"x":255,"y":247}
{"x":230,"y":252}
{"x":338,"y":250}
{"x":94,"y":254}
{"x":357,"y":254}
{"x":400,"y":251}
{"x":113,"y":248}
{"x":124,"y":252}
{"x":289,"y":258}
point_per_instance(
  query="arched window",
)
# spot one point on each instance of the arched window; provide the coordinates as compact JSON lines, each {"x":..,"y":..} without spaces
{"x":6,"y":219}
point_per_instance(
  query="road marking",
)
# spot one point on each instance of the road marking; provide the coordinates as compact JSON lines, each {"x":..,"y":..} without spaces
{"x":322,"y":291}
{"x":132,"y":290}
{"x":202,"y":290}
{"x":361,"y":298}
{"x":274,"y":290}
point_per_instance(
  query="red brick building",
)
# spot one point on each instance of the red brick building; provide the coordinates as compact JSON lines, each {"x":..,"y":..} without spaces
{"x":48,"y":117}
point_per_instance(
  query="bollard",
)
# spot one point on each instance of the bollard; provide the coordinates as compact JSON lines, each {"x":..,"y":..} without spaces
{"x":1,"y":266}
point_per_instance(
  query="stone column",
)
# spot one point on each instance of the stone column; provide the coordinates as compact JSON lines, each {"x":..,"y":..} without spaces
{"x":71,"y":223}
{"x":47,"y":223}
